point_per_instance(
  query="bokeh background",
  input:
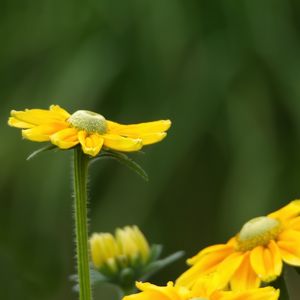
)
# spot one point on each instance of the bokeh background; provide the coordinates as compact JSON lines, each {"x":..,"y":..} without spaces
{"x":227,"y":73}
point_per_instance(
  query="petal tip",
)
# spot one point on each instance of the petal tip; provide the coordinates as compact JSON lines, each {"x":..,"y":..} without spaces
{"x":13,"y":112}
{"x":168,"y":123}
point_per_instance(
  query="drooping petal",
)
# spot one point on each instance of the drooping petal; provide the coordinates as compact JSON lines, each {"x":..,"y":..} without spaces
{"x":205,"y":264}
{"x":228,"y":267}
{"x":136,"y":130}
{"x":266,"y":261}
{"x":294,"y":224}
{"x":34,"y":117}
{"x":222,"y":248}
{"x":91,"y":143}
{"x":43,"y":132}
{"x":65,"y":139}
{"x":151,"y":138}
{"x":244,"y":278}
{"x":267,"y":293}
{"x":287,"y":212}
{"x":120,"y":143}
{"x":14,"y":122}
{"x":149,"y":133}
{"x":289,"y":246}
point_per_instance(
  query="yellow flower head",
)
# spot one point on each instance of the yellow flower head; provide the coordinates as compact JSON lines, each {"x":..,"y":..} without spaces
{"x":127,"y":248}
{"x":206,"y":288}
{"x":87,"y":128}
{"x":255,"y":254}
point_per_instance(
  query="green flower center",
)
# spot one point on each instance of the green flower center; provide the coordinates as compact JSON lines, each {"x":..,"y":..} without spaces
{"x":257,"y":232}
{"x":89,"y":121}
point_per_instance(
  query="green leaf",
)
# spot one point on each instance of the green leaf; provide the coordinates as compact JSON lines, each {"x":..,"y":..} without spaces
{"x":160,"y":264}
{"x":38,"y":151}
{"x":155,"y":252}
{"x":125,"y":160}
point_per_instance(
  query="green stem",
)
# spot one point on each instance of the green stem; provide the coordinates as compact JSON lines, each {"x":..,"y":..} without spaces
{"x":81,"y":231}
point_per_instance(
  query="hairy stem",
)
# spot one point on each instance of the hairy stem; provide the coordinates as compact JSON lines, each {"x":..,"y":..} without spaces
{"x":81,"y":230}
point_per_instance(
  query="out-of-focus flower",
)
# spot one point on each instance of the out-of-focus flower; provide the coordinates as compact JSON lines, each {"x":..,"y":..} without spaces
{"x":125,"y":257}
{"x":255,"y":254}
{"x":128,"y":248}
{"x":205,"y":288}
{"x":87,"y":128}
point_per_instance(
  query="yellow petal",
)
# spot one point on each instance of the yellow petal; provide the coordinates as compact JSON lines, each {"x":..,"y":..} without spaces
{"x":222,"y":248}
{"x":244,"y":278}
{"x":289,"y":246}
{"x":136,"y":130}
{"x":43,"y":132}
{"x":146,"y":296}
{"x":62,"y":113}
{"x":294,"y":224}
{"x":65,"y":139}
{"x":91,"y":143}
{"x":120,"y":143}
{"x":149,"y":133}
{"x":151,"y":138}
{"x":207,"y":284}
{"x":227,"y":268}
{"x":267,"y":293}
{"x":35,"y":117}
{"x":266,"y":261}
{"x":205,"y":264}
{"x":151,"y":292}
{"x":287,"y":212}
{"x":13,"y":122}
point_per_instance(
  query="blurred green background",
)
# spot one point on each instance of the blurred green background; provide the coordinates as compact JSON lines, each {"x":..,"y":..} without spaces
{"x":227,"y":73}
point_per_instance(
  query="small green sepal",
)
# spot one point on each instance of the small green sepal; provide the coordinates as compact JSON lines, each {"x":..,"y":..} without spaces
{"x":39,"y":151}
{"x":124,"y":160}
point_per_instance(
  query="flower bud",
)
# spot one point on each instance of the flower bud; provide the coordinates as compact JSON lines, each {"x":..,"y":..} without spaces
{"x":125,"y":257}
{"x":127,"y":249}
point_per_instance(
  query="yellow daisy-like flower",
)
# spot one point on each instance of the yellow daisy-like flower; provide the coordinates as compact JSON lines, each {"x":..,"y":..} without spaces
{"x":255,"y":254}
{"x":87,"y":128}
{"x":206,"y":288}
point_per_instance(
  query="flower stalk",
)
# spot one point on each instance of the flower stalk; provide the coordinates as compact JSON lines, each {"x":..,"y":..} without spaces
{"x":90,"y":135}
{"x":81,"y":226}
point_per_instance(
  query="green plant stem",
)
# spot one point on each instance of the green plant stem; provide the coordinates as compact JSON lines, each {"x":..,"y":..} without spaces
{"x":81,"y":230}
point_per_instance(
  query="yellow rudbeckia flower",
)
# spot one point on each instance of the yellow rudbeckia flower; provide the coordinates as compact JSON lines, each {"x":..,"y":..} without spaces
{"x":87,"y":128}
{"x":255,"y":254}
{"x":206,"y":288}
